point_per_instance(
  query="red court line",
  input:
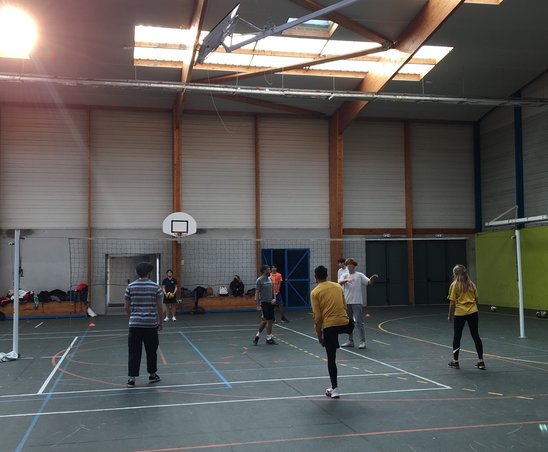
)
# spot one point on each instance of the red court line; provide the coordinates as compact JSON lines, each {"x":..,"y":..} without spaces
{"x":349,"y":435}
{"x":162,"y":357}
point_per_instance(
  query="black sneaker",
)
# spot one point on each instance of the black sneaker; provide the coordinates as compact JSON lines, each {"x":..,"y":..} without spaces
{"x":154,"y":378}
{"x":285,"y":320}
{"x":271,"y":342}
{"x":454,"y":365}
{"x":480,"y":365}
{"x":131,"y":383}
{"x":256,"y":340}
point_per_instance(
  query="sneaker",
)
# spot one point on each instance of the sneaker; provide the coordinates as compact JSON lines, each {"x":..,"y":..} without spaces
{"x":454,"y":365}
{"x":348,"y":344}
{"x":256,"y":340}
{"x":362,"y":345}
{"x":480,"y":365}
{"x":332,"y":393}
{"x":154,"y":378}
{"x":131,"y":383}
{"x":285,"y":320}
{"x":173,"y":318}
{"x":166,"y":319}
{"x":271,"y":341}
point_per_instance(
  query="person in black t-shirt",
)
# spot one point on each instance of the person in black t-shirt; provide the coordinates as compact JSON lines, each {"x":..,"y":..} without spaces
{"x":169,"y":287}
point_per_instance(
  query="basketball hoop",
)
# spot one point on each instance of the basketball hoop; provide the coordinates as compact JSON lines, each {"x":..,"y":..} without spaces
{"x":179,"y":224}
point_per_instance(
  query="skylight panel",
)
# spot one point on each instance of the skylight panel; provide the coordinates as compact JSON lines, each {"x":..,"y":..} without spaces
{"x":232,"y":59}
{"x":270,"y":61}
{"x":296,"y":45}
{"x":334,"y":47}
{"x":314,"y":28}
{"x":155,"y":54}
{"x":485,"y":2}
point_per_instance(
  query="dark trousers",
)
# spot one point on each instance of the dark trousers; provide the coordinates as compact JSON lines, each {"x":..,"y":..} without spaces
{"x":136,"y":338}
{"x":459,"y":321}
{"x":331,"y":343}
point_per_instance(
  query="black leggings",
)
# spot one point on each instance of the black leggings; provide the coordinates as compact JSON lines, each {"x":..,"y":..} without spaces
{"x":331,"y":343}
{"x":458,"y":322}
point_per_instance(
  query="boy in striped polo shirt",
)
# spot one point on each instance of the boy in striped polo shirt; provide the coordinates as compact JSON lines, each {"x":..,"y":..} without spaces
{"x":143,"y":303}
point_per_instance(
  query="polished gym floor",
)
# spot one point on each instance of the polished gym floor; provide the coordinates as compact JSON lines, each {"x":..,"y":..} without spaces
{"x":219,"y":392}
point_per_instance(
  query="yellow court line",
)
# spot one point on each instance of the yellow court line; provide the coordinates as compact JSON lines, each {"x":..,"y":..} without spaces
{"x":380,"y":326}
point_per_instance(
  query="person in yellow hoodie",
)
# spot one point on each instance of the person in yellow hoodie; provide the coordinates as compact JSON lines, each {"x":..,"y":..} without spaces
{"x":463,"y":308}
{"x":330,"y":320}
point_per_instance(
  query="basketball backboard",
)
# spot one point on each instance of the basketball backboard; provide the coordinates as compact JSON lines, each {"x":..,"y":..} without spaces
{"x":216,"y":36}
{"x":179,"y":224}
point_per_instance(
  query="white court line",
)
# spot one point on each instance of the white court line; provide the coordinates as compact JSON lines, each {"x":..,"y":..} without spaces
{"x":196,"y":385}
{"x":380,"y":342}
{"x":41,"y":390}
{"x":372,"y":359}
{"x":40,"y":324}
{"x":213,"y":402}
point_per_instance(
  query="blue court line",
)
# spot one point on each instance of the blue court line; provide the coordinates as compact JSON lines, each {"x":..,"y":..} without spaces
{"x":47,"y":399}
{"x":219,"y":374}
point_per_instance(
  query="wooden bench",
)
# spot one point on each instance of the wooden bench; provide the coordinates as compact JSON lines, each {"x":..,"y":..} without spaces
{"x":219,"y":304}
{"x":51,"y":309}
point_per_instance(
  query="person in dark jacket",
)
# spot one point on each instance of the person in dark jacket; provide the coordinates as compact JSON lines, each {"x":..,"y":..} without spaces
{"x":237,"y":287}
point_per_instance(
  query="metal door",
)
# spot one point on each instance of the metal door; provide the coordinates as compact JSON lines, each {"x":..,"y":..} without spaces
{"x":389,"y":260}
{"x":433,"y":264}
{"x":294,"y":265}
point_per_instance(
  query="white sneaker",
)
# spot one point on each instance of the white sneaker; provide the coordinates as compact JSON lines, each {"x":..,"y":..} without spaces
{"x":362,"y":345}
{"x":173,"y":318}
{"x":166,"y":319}
{"x":332,"y":393}
{"x":348,"y":344}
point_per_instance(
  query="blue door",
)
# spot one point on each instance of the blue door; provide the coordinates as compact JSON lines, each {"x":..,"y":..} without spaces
{"x":294,"y":265}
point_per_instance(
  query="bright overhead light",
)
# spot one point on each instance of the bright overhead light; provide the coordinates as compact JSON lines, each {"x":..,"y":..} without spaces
{"x":18,"y":33}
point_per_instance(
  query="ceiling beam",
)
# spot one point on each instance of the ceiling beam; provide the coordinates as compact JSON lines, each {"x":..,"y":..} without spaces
{"x":344,"y":21}
{"x":422,"y":27}
{"x":301,"y":65}
{"x":195,"y":28}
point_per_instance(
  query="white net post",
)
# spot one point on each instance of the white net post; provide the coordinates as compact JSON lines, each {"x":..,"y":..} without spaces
{"x":16,"y":258}
{"x":518,"y":222}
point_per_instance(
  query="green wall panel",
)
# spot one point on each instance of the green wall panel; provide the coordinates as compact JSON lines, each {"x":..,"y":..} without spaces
{"x":497,"y":268}
{"x":534,"y":259}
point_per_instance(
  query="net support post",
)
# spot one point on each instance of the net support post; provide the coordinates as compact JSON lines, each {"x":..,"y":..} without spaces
{"x":16,"y":258}
{"x":520,"y":285}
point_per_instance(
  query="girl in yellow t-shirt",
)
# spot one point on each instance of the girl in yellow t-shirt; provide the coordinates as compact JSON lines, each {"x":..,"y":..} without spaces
{"x":463,"y":306}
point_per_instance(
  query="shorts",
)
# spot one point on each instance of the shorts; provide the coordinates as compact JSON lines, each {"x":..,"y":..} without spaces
{"x":268,"y":311}
{"x":331,"y":336}
{"x":279,"y":298}
{"x":170,"y":300}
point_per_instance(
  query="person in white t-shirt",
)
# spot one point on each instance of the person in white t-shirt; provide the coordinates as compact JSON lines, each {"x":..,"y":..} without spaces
{"x":342,"y":267}
{"x":352,"y":282}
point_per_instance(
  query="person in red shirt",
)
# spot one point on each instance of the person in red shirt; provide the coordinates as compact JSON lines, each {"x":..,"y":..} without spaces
{"x":277,"y":279}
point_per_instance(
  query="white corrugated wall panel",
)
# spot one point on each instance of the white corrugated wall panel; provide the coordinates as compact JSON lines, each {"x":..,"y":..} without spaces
{"x":131,"y":169}
{"x":374,"y":175}
{"x":43,"y":168}
{"x":218,"y":170}
{"x":535,"y":151}
{"x":536,"y":90}
{"x":443,"y":175}
{"x":498,"y":186}
{"x":294,"y":173}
